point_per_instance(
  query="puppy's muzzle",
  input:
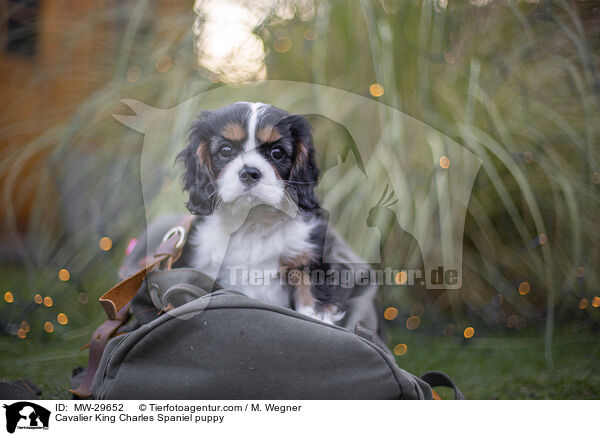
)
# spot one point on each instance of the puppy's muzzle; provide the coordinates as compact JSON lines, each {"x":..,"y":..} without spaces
{"x":250,"y":175}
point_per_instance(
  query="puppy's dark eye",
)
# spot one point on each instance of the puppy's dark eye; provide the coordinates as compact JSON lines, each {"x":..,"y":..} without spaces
{"x":277,"y":153}
{"x":226,"y":150}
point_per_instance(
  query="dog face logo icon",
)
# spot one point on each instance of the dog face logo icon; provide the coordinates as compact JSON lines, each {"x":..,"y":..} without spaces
{"x":26,"y":415}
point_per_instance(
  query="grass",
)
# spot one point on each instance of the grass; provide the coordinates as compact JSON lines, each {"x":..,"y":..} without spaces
{"x":507,"y":367}
{"x":483,"y":367}
{"x":48,"y":364}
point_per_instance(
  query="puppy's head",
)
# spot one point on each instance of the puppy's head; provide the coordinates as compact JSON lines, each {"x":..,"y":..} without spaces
{"x":249,"y":154}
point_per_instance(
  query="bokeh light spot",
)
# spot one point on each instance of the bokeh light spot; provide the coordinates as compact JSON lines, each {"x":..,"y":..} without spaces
{"x":444,"y":162}
{"x":48,"y":301}
{"x":400,"y":349}
{"x":310,"y":34}
{"x":543,"y":238}
{"x":163,"y":64}
{"x":449,"y":330}
{"x":64,"y":274}
{"x":62,"y":318}
{"x":390,"y":313}
{"x":9,"y":297}
{"x":413,"y":322}
{"x":133,"y":73}
{"x":512,"y":321}
{"x":376,"y":90}
{"x":49,"y":327}
{"x":524,"y":288}
{"x":22,"y":334}
{"x":38,"y":299}
{"x":401,"y":278}
{"x":282,"y":45}
{"x":596,"y":301}
{"x":583,"y":303}
{"x":469,"y":332}
{"x":105,"y":243}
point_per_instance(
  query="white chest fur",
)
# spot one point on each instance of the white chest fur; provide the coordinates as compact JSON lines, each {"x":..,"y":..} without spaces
{"x":224,"y":249}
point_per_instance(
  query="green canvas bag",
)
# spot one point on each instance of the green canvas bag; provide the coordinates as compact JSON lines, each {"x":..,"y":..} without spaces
{"x":188,"y":339}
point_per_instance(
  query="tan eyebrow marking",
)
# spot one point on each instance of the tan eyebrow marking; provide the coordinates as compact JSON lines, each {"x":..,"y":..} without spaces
{"x":268,"y":134}
{"x":301,"y":154}
{"x":233,"y":132}
{"x":204,"y":156}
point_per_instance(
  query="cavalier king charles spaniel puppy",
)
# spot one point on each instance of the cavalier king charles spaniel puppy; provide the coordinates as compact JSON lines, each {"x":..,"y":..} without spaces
{"x":250,"y":172}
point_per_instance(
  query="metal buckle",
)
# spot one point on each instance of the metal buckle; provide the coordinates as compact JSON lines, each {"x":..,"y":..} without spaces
{"x":173,"y":231}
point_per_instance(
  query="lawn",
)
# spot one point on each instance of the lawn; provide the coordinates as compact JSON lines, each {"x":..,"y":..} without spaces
{"x":483,"y":367}
{"x":508,"y":367}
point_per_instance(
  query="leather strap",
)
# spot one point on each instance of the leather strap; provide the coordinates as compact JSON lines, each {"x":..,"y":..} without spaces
{"x":97,"y":344}
{"x":168,"y":252}
{"x":119,"y":295}
{"x":116,"y":300}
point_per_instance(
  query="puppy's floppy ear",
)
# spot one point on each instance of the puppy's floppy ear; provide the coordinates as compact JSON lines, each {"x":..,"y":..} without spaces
{"x":198,"y":177}
{"x":304,"y":173}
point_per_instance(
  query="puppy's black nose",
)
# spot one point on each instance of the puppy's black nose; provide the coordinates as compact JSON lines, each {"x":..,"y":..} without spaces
{"x":250,"y":175}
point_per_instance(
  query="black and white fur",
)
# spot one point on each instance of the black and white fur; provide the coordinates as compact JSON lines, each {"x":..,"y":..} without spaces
{"x":250,"y":172}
